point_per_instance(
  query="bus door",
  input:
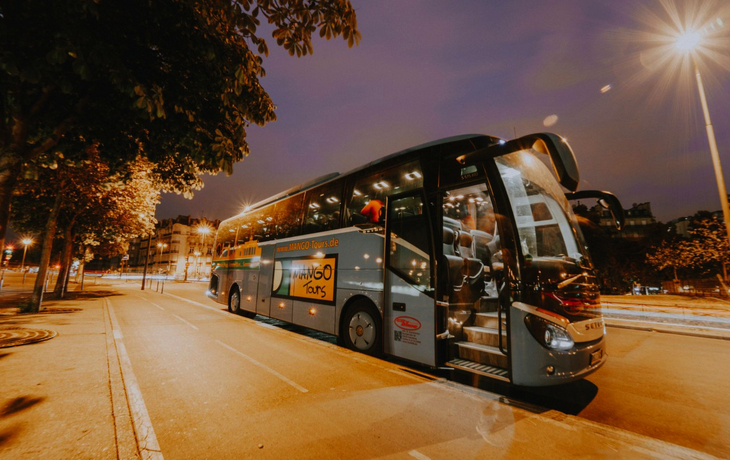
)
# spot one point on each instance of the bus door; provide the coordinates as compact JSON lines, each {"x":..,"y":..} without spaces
{"x":409,"y":309}
{"x":471,"y":281}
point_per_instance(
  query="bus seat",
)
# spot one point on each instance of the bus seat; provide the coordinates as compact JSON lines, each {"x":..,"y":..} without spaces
{"x":493,"y":246}
{"x":465,"y":245}
{"x":455,"y":266}
{"x":448,"y":241}
{"x":473,"y":269}
{"x":452,"y":223}
{"x":481,"y":248}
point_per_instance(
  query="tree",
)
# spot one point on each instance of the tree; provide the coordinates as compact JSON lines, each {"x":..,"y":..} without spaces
{"x":175,"y":82}
{"x":669,"y":254}
{"x":87,"y":205}
{"x":707,"y":248}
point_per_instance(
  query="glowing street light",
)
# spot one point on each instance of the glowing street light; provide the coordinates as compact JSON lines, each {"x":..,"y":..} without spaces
{"x":203,"y":230}
{"x":162,"y":246}
{"x":26,"y":242}
{"x":689,"y":42}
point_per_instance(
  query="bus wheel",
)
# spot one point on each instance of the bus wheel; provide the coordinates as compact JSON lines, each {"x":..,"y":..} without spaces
{"x":361,"y":329}
{"x":234,"y":301}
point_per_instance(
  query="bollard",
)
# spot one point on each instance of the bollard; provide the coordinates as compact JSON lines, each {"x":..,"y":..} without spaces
{"x":157,"y":286}
{"x":162,"y":291}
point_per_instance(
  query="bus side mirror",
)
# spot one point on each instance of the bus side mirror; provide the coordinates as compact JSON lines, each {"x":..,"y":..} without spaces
{"x":607,"y":201}
{"x":557,"y":148}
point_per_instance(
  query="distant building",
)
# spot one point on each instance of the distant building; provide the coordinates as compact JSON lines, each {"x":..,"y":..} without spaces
{"x":639,"y":221}
{"x":181,"y":248}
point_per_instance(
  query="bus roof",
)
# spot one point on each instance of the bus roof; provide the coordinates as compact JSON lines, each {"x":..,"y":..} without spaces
{"x":332,"y":176}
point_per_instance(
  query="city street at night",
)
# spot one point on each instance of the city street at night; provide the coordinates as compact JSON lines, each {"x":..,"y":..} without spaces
{"x":364,"y":229}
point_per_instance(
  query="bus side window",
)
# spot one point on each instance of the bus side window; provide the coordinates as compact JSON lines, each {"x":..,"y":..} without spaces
{"x":287,"y":217}
{"x":322,"y":208}
{"x":370,"y":192}
{"x":226,"y":236}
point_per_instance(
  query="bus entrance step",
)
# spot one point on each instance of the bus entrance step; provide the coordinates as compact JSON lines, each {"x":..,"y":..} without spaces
{"x":489,"y":319}
{"x":488,"y":304}
{"x":484,"y":354}
{"x":485,"y":336}
{"x":481,"y":369}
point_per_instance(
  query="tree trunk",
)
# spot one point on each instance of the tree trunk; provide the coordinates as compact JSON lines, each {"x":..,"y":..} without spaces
{"x":66,"y":253}
{"x":47,"y":245}
{"x":9,"y":171}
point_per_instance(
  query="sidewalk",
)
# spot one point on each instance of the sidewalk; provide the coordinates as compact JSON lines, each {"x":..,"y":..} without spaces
{"x":61,"y":398}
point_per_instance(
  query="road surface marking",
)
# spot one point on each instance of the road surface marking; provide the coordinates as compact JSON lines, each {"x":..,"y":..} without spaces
{"x":185,"y":321}
{"x":147,"y":443}
{"x":416,"y":454}
{"x":264,"y":367}
{"x":154,"y":304}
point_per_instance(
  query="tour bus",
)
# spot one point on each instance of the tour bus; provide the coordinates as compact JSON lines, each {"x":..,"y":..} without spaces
{"x":461,"y":253}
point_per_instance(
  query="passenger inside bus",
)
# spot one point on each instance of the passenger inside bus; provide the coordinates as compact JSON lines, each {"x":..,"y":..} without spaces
{"x":373,"y":211}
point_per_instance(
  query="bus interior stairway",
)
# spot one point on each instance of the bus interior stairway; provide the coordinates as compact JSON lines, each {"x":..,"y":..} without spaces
{"x":477,"y":346}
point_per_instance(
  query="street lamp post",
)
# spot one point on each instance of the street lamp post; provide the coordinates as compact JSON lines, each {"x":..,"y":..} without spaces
{"x":204,"y":230}
{"x":687,"y":43}
{"x":26,"y":242}
{"x":162,"y":246}
{"x":197,"y":264}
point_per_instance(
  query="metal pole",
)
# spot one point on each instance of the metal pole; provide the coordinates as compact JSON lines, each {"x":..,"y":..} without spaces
{"x":715,"y":155}
{"x":22,"y":264}
{"x":146,"y":259}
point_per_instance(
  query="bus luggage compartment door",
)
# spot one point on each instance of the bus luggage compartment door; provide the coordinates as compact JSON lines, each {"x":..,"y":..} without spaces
{"x":409,"y":315}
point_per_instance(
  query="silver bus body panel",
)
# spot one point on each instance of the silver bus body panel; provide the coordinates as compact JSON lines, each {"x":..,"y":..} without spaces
{"x":530,"y":360}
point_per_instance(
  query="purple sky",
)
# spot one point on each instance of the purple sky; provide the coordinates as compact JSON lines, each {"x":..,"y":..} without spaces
{"x":431,"y":69}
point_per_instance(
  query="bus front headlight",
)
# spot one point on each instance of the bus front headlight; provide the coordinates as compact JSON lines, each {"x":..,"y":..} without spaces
{"x":548,"y":334}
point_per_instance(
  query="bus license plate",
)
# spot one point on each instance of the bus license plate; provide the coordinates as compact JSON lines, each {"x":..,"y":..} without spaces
{"x":596,"y":356}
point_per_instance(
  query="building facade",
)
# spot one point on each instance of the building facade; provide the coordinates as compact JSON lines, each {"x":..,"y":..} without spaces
{"x":180,"y":248}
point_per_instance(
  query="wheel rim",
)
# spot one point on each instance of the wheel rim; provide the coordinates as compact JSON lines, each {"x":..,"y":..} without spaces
{"x":362,"y":330}
{"x":235,"y":300}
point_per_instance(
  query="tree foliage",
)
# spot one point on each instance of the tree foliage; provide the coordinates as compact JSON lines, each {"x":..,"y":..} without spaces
{"x":174,"y":82}
{"x":86,"y":206}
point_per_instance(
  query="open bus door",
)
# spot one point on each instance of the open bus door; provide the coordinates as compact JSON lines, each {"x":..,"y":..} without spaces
{"x":409,"y":316}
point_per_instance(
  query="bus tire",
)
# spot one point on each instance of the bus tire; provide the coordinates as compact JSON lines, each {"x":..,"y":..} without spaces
{"x":234,"y":300}
{"x":361,"y":328}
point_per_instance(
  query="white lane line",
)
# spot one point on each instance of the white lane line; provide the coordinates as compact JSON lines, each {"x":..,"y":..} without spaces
{"x":263,"y":366}
{"x":155,"y":305}
{"x":147,"y":443}
{"x":185,"y":321}
{"x":217,"y":310}
{"x":416,"y":454}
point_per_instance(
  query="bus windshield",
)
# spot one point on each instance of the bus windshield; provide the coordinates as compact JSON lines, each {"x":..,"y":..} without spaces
{"x":546,"y":225}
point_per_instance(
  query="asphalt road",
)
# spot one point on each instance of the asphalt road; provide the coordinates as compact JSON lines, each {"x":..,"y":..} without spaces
{"x":217,"y":385}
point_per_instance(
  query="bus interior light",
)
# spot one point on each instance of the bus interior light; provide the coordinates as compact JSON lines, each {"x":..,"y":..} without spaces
{"x":413,"y":175}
